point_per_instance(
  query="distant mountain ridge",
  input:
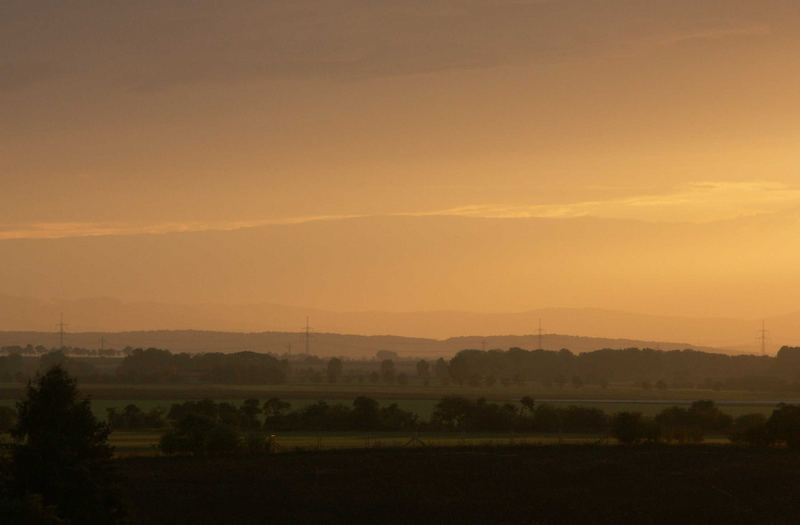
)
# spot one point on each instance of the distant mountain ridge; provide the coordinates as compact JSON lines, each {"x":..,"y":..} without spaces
{"x":110,"y":315}
{"x":326,"y":344}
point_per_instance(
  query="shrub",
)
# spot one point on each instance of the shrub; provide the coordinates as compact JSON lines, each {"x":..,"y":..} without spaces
{"x":628,"y":427}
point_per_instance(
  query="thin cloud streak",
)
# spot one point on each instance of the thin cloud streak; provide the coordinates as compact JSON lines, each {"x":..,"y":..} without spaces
{"x":718,"y":33}
{"x":700,"y":202}
{"x":61,"y":230}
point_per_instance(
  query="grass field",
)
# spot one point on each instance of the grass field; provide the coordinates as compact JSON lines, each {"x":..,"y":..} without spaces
{"x":145,"y":443}
{"x":489,"y":484}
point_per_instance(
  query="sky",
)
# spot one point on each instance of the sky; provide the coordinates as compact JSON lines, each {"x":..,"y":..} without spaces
{"x":629,"y":119}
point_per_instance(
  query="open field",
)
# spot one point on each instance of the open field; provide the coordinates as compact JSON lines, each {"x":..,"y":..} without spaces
{"x":145,"y":443}
{"x":553,"y":484}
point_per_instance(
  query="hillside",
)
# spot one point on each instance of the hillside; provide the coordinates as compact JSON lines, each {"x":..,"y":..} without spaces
{"x":324,"y":344}
{"x":736,"y":335}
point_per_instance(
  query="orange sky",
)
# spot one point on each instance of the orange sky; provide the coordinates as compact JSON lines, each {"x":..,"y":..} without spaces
{"x":600,"y":127}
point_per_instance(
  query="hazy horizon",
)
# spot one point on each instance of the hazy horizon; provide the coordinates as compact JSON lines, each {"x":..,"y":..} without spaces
{"x":108,"y":315}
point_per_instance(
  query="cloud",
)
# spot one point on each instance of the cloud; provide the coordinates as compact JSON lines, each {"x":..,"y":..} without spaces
{"x":718,"y":33}
{"x":60,"y":230}
{"x":697,"y":202}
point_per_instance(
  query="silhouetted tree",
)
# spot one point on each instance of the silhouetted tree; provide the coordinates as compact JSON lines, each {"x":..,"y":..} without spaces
{"x":62,"y":452}
{"x":451,"y":413}
{"x":628,"y":427}
{"x":199,"y":434}
{"x":442,"y":371}
{"x":334,"y":370}
{"x":134,"y":418}
{"x":366,"y":414}
{"x":750,"y":429}
{"x":678,"y":424}
{"x":784,"y":425}
{"x":250,"y":411}
{"x":423,"y":369}
{"x":275,"y":407}
{"x":383,"y":355}
{"x":528,"y":403}
{"x":387,"y":371}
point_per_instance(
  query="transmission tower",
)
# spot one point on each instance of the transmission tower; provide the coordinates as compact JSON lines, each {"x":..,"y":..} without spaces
{"x":540,"y":335}
{"x":61,"y":327}
{"x":308,"y":338}
{"x":762,"y":334}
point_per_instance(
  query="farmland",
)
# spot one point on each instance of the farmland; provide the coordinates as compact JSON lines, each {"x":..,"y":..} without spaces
{"x":488,"y":484}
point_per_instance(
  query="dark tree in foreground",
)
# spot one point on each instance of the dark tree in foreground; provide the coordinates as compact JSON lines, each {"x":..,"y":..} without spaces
{"x":62,"y":453}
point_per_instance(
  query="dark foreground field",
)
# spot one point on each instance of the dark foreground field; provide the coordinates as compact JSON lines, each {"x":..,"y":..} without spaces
{"x":548,"y":484}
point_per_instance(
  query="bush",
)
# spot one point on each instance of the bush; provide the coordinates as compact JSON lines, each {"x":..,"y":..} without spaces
{"x":784,"y":425}
{"x":750,"y":429}
{"x":629,"y":428}
{"x":678,"y":424}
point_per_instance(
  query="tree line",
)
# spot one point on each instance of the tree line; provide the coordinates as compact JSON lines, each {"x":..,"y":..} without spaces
{"x":209,"y":427}
{"x":647,"y":368}
{"x":650,"y":368}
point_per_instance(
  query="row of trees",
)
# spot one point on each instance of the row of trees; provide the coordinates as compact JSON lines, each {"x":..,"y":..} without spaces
{"x":647,"y":367}
{"x":206,"y":427}
{"x":691,"y":426}
{"x":202,"y":426}
{"x":160,"y":366}
{"x":39,"y":350}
